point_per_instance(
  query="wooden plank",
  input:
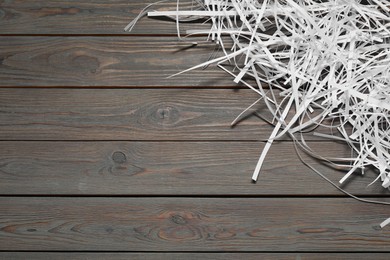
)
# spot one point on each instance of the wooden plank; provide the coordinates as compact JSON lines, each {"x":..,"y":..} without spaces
{"x":85,"y":17}
{"x":132,"y":114}
{"x":168,"y":168}
{"x":195,"y":256}
{"x":106,"y":61}
{"x":191,"y":224}
{"x":128,"y":114}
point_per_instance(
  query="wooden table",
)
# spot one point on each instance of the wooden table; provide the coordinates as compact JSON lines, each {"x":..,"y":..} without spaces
{"x":103,"y":157}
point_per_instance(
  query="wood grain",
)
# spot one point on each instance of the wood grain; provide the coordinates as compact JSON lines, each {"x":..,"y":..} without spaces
{"x":169,"y":168}
{"x":114,"y":156}
{"x":194,"y":256}
{"x":131,"y":114}
{"x":85,"y":17}
{"x":124,"y":114}
{"x":106,"y":61}
{"x":192,"y":224}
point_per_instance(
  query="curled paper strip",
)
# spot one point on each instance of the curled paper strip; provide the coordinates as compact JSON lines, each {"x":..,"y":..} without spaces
{"x":329,"y":60}
{"x":385,"y":223}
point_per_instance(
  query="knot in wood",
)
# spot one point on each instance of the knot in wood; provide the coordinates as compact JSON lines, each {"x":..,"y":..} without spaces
{"x":177,"y":219}
{"x":167,"y":115}
{"x":119,"y":157}
{"x":85,"y":64}
{"x":164,"y":113}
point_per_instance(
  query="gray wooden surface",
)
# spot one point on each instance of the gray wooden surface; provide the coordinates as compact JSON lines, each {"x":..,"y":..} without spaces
{"x":103,"y":157}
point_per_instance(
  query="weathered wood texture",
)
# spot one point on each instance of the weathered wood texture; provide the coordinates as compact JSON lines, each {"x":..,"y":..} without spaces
{"x":194,"y":256}
{"x":85,"y":17}
{"x":168,"y":168}
{"x":131,"y":114}
{"x":106,"y":61}
{"x":168,"y":148}
{"x":191,"y":224}
{"x":123,"y":114}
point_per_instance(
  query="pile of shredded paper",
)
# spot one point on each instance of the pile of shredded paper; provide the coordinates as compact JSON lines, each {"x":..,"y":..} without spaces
{"x":326,"y":62}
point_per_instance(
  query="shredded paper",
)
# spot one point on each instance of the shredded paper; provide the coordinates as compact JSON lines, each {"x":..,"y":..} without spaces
{"x":314,"y":63}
